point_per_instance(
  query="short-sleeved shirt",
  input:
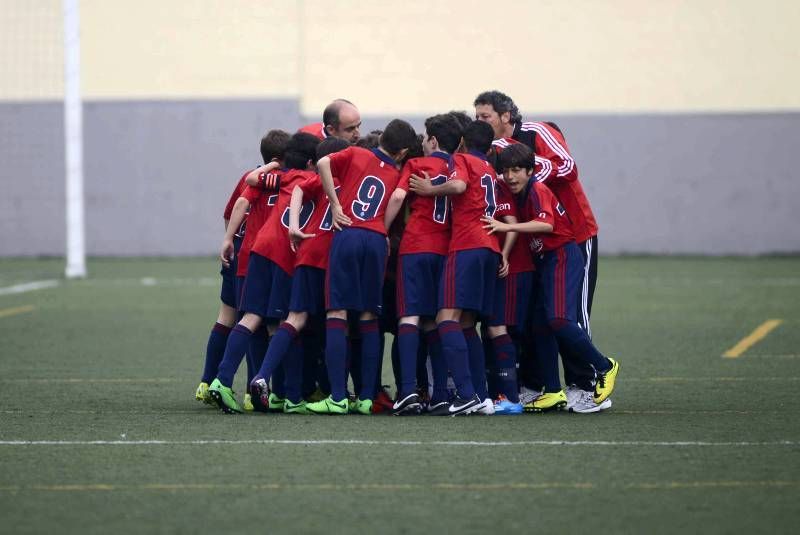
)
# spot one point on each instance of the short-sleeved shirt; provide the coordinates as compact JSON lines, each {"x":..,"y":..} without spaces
{"x":428,"y":226}
{"x":314,"y":251}
{"x":540,"y":204}
{"x":272,"y":241}
{"x":237,"y":192}
{"x":261,"y":204}
{"x":476,"y":201}
{"x":519,"y":259}
{"x":368,"y":178}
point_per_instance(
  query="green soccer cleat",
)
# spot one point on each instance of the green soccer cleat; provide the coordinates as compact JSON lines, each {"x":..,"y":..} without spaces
{"x":275,"y":403}
{"x":362,"y":406}
{"x":316,"y":395}
{"x":223,"y":397}
{"x":328,"y":406}
{"x":247,"y":404}
{"x":201,"y":394}
{"x":605,"y":382}
{"x":549,"y":401}
{"x":295,"y":408}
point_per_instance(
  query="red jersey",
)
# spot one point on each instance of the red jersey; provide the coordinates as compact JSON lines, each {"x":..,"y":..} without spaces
{"x":428,"y":228}
{"x":540,"y":204}
{"x":368,"y":178}
{"x":476,"y":201}
{"x":519,"y":259}
{"x":315,"y":129}
{"x":273,"y":239}
{"x":261,"y":204}
{"x":314,"y":251}
{"x":237,"y":192}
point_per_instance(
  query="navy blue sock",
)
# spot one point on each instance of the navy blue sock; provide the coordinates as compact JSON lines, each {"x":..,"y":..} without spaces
{"x":279,"y":381}
{"x":238,"y":341}
{"x":278,"y":347}
{"x":396,"y":362}
{"x":422,"y":365}
{"x":293,"y":366}
{"x":370,"y":349}
{"x":438,"y":366}
{"x":547,"y":358}
{"x":491,"y":365}
{"x":477,"y":362}
{"x":578,"y":342}
{"x":256,"y":352}
{"x":407,"y":346}
{"x":454,"y":348}
{"x":505,"y":353}
{"x":336,"y":356}
{"x":215,"y":349}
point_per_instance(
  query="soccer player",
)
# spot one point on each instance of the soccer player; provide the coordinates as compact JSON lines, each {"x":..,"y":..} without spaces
{"x":559,"y":266}
{"x":309,"y":230}
{"x":339,"y":119}
{"x":557,"y":170}
{"x":272,"y":148}
{"x":468,"y":280}
{"x":423,"y":250}
{"x":358,"y":257}
{"x":266,"y":288}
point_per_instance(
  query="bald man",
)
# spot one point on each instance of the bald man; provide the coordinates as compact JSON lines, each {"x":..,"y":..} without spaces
{"x":340,"y":119}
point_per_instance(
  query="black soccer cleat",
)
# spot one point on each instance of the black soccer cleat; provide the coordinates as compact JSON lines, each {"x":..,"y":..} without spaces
{"x":409,"y":405}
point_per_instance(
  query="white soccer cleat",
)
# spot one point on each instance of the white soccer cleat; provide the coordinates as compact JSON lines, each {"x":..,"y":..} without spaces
{"x":527,"y":395}
{"x":582,"y":402}
{"x":486,"y":407}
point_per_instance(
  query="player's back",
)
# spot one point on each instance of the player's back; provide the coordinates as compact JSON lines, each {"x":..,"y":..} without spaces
{"x":314,"y":251}
{"x":476,"y":201}
{"x":428,"y":227}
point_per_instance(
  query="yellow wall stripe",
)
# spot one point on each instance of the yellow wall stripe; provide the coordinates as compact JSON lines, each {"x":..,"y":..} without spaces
{"x":752,"y":339}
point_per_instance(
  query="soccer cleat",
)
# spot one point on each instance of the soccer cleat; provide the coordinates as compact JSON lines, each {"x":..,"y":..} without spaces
{"x":295,"y":408}
{"x":259,"y":394}
{"x":383,"y":401}
{"x":461,"y":406}
{"x":549,"y":401}
{"x":201,"y":394}
{"x":409,"y":405}
{"x":275,"y":403}
{"x":363,"y":406}
{"x":328,"y":406}
{"x":502,"y":406}
{"x":486,"y":407}
{"x":527,"y":395}
{"x":316,"y":395}
{"x":605,"y":382}
{"x":582,"y":401}
{"x":247,"y":404}
{"x":439,"y":408}
{"x":223,"y":397}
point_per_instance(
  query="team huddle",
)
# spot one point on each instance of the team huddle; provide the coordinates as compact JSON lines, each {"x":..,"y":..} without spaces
{"x":473,"y":244}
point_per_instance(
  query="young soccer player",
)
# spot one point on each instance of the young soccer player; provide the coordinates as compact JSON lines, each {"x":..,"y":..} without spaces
{"x":559,"y":265}
{"x":309,"y":227}
{"x":358,"y":257}
{"x":266,"y":288}
{"x":272,"y":148}
{"x":468,"y":280}
{"x":423,"y":250}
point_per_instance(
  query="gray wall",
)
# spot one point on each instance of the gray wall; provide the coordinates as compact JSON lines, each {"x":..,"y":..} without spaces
{"x":158,"y":175}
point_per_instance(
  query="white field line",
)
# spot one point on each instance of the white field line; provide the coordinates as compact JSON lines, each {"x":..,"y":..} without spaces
{"x":28,"y":287}
{"x":357,"y":442}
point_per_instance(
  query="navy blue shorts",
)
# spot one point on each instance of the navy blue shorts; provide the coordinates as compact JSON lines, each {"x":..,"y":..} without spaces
{"x":356,"y":268}
{"x":468,"y":280}
{"x":228,"y":294}
{"x":418,"y":278}
{"x":560,"y":278}
{"x":512,"y":299}
{"x":267,"y":288}
{"x":239,"y":290}
{"x":308,"y":290}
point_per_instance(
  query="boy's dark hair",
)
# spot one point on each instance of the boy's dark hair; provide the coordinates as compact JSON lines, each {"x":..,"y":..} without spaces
{"x":371,"y":140}
{"x":555,"y":126}
{"x":329,"y":145}
{"x":273,"y":145}
{"x":461,"y":117}
{"x":398,"y":135}
{"x":478,"y":136}
{"x":330,"y":116}
{"x":301,"y":148}
{"x":446,"y":129}
{"x":517,"y":155}
{"x":501,"y":103}
{"x":415,"y":151}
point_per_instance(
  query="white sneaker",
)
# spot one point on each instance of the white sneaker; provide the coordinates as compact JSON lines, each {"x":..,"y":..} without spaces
{"x":582,"y":401}
{"x":527,"y":395}
{"x":487,"y":407}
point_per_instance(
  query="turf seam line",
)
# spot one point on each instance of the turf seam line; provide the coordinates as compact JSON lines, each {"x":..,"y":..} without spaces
{"x":15,"y":311}
{"x":28,"y":287}
{"x":357,"y":442}
{"x":752,"y":339}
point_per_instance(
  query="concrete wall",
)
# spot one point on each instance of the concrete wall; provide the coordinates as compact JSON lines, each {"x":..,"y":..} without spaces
{"x":683,"y":116}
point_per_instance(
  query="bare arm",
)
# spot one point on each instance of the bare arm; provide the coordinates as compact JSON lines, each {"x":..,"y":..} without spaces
{"x":511,"y":238}
{"x":423,"y":186}
{"x":324,"y":169}
{"x":237,"y":216}
{"x":394,"y":206}
{"x":528,"y":227}
{"x":295,"y":206}
{"x":261,"y":177}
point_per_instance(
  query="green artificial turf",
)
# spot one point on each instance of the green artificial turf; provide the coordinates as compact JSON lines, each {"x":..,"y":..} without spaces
{"x":694,"y":441}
